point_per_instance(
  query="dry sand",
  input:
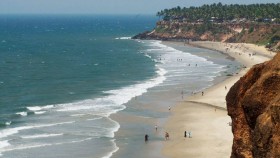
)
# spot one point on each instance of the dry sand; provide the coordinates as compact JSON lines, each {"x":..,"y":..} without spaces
{"x":206,"y":116}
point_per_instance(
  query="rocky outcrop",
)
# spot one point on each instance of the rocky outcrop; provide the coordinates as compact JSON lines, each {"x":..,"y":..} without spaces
{"x":228,"y":32}
{"x":166,"y":30}
{"x":253,"y":103}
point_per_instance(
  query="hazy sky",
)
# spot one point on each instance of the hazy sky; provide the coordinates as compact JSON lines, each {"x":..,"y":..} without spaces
{"x":105,"y":6}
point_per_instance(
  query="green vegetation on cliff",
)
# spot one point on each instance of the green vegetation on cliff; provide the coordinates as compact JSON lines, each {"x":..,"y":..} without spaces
{"x":254,"y":12}
{"x":254,"y":23}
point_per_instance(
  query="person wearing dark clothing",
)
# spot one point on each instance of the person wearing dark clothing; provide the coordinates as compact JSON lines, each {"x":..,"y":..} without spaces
{"x":146,"y":137}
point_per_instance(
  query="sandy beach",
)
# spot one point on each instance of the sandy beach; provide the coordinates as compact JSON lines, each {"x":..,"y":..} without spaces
{"x":206,"y":116}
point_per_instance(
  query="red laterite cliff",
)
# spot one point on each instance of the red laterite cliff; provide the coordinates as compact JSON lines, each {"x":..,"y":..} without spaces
{"x":253,"y":103}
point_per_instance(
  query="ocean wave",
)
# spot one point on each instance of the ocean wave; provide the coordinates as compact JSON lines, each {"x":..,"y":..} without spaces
{"x":123,"y":38}
{"x":4,"y":143}
{"x":39,"y":112}
{"x":139,"y":41}
{"x":175,"y":67}
{"x":23,"y":147}
{"x":151,"y":50}
{"x":116,"y":99}
{"x":22,"y":113}
{"x":11,"y":131}
{"x":38,"y":108}
{"x":94,"y":118}
{"x":114,"y":129}
{"x":148,"y":56}
{"x":41,"y":136}
{"x":8,"y":123}
{"x":115,"y":149}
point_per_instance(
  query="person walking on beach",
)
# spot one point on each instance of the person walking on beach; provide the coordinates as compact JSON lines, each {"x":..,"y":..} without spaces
{"x":156,"y":127}
{"x":169,"y":108}
{"x":146,"y":138}
{"x":185,"y":134}
{"x":166,"y":136}
{"x":202,"y":93}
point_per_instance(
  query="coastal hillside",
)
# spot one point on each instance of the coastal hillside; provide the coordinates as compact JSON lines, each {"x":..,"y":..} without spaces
{"x":253,"y":104}
{"x":256,"y":23}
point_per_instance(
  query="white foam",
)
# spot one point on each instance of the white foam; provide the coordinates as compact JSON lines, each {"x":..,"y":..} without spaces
{"x":173,"y":66}
{"x":95,"y":119}
{"x":23,"y":147}
{"x":41,"y":136}
{"x":8,"y":123}
{"x":115,"y":149}
{"x":123,"y":38}
{"x":34,"y":108}
{"x":39,"y":112}
{"x":151,"y":50}
{"x":22,"y":113}
{"x":11,"y":131}
{"x":148,"y":56}
{"x":38,"y":108}
{"x":7,"y":132}
{"x":115,"y":99}
{"x":4,"y":143}
{"x":114,"y":129}
{"x":48,"y":107}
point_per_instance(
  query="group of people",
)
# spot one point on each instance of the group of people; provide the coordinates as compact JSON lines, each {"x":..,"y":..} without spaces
{"x":166,"y":137}
{"x":187,"y":134}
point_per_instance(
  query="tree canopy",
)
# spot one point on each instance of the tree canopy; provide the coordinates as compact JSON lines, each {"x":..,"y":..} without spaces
{"x":224,"y":12}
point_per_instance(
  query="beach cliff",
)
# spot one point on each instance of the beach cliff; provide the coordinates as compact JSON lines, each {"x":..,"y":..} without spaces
{"x":225,"y":32}
{"x":253,"y":104}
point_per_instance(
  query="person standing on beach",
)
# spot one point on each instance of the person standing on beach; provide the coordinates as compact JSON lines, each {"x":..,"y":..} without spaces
{"x":156,"y":127}
{"x":166,"y":136}
{"x":146,"y":138}
{"x":202,"y":93}
{"x":185,"y":134}
{"x":169,"y":108}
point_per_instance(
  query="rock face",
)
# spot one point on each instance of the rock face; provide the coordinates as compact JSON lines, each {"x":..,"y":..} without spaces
{"x":225,"y":32}
{"x":253,"y":104}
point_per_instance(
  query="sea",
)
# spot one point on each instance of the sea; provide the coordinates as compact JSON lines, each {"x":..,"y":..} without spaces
{"x":63,"y":77}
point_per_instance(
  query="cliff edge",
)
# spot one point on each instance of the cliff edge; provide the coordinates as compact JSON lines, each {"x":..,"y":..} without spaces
{"x":253,"y":104}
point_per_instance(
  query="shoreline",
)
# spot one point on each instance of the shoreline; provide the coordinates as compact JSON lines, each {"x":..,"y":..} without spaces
{"x":211,"y":133}
{"x":151,"y":108}
{"x":240,"y":52}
